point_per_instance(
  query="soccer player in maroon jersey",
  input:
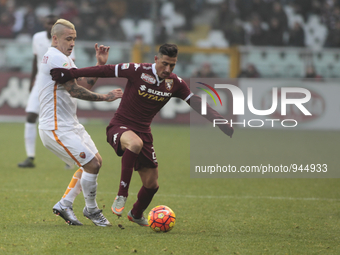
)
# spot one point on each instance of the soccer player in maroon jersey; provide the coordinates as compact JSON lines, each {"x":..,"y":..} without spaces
{"x":148,"y":89}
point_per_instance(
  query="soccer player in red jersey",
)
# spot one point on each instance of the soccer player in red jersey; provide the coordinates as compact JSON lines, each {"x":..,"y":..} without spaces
{"x":148,"y":89}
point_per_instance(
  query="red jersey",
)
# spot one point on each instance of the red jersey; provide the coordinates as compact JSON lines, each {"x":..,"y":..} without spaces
{"x":145,"y":95}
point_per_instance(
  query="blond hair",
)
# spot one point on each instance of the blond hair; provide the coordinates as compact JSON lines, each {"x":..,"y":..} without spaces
{"x":57,"y":28}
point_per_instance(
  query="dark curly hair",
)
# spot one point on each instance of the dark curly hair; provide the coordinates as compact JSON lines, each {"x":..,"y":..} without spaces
{"x":169,"y":50}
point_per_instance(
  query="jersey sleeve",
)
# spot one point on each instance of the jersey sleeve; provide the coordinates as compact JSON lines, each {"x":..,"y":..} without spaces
{"x":126,"y":70}
{"x":183,"y":91}
{"x":58,"y":61}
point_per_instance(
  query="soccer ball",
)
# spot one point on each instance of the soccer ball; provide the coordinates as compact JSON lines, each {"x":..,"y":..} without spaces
{"x":161,"y":218}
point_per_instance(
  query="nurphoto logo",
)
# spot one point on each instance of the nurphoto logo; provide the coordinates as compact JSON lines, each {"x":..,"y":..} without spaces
{"x":239,"y":104}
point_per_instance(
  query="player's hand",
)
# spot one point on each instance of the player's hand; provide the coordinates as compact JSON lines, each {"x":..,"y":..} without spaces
{"x":227,"y":129}
{"x":113,"y":95}
{"x":62,"y":75}
{"x":102,"y":53}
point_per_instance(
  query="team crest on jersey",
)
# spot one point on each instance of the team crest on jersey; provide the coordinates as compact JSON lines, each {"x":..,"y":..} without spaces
{"x":125,"y":66}
{"x":82,"y":155}
{"x":169,"y":83}
{"x":148,"y":78}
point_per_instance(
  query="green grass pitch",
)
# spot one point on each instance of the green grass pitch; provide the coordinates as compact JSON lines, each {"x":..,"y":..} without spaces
{"x":214,"y":216}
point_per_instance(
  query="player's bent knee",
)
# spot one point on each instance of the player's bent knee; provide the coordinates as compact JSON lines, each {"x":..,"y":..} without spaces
{"x":100,"y":160}
{"x":154,"y":186}
{"x":131,"y":141}
{"x":93,"y":166}
{"x":99,"y":164}
{"x":136,"y":145}
{"x":151,"y":184}
{"x":96,"y":165}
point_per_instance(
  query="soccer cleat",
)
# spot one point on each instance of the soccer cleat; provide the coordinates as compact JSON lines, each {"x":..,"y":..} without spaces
{"x":118,"y":205}
{"x":66,"y":213}
{"x":141,"y":221}
{"x":28,"y":162}
{"x":97,"y":218}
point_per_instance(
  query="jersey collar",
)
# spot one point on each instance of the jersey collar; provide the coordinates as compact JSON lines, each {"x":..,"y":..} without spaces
{"x":155,"y":74}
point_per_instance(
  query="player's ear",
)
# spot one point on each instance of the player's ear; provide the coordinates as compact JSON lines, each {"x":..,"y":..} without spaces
{"x":156,"y":58}
{"x":54,"y":40}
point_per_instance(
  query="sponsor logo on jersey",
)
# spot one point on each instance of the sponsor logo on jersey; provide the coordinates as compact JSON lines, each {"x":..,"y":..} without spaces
{"x":159,"y":96}
{"x":142,"y":87}
{"x":82,"y":155}
{"x":148,"y":78}
{"x":169,"y":83}
{"x":159,"y":93}
{"x":136,"y":66}
{"x":65,"y":64}
{"x":123,"y":127}
{"x":125,"y":66}
{"x":147,"y":67}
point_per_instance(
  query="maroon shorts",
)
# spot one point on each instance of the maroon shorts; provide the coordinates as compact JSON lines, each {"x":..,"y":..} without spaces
{"x":147,"y":156}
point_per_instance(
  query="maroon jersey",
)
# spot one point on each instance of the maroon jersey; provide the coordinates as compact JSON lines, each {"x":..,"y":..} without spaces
{"x":145,"y":95}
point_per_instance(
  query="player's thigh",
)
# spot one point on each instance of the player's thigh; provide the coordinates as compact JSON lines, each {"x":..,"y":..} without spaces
{"x":114,"y":135}
{"x":149,"y":177}
{"x":68,"y":146}
{"x":130,"y":140}
{"x":88,"y":142}
{"x":33,"y":101}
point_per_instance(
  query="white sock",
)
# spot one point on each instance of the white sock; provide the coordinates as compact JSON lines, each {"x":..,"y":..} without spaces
{"x":89,"y":186}
{"x":30,"y":137}
{"x":73,"y":189}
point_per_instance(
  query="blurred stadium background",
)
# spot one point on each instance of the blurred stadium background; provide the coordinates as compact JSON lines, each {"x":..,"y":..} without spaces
{"x":218,"y":38}
{"x":281,"y":38}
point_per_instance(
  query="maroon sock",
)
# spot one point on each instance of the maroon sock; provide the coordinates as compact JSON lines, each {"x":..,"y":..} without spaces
{"x":144,"y":199}
{"x":128,"y":162}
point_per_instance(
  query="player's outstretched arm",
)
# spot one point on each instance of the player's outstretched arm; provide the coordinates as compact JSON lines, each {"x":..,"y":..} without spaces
{"x":102,"y":55}
{"x":82,"y":93}
{"x":195,"y":103}
{"x":62,"y":75}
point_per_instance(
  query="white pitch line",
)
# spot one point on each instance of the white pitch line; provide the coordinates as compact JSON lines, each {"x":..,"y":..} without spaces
{"x":194,"y":196}
{"x":252,"y":197}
